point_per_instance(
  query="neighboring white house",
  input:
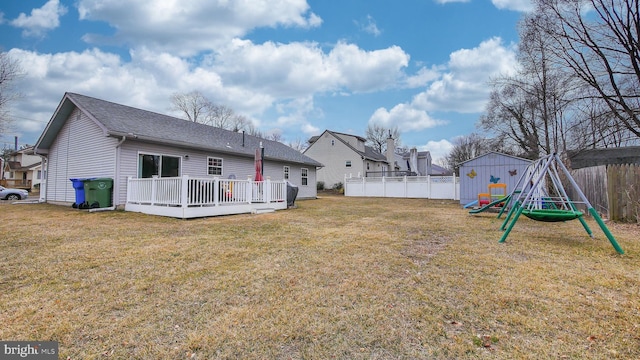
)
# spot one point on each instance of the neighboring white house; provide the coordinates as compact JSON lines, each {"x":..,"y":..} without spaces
{"x":88,"y":137}
{"x":22,"y":170}
{"x":345,"y":155}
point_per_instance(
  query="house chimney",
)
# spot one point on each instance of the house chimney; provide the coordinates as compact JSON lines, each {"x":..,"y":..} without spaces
{"x":391,"y":148}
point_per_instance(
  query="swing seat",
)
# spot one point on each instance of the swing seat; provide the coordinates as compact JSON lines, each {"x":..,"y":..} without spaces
{"x":551,"y":215}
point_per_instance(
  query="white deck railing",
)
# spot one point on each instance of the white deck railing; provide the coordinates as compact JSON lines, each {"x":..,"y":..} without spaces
{"x":429,"y":187}
{"x":187,"y":196}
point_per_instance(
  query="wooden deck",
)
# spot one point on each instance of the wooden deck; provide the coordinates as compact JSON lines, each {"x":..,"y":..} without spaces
{"x":187,"y":197}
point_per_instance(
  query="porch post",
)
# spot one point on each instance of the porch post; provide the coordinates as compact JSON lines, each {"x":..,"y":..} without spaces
{"x":267,"y":191}
{"x":248,"y":193}
{"x":216,"y":191}
{"x":129,"y":189}
{"x":154,"y":188}
{"x":184,"y":191}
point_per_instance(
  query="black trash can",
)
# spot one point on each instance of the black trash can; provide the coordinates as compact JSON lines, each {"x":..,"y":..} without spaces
{"x":292,"y":193}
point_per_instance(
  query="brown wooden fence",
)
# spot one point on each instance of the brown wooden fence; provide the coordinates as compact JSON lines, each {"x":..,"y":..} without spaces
{"x":613,"y":190}
{"x":624,"y":192}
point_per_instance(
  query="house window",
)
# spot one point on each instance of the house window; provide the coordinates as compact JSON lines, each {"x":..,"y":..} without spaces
{"x":286,"y":173}
{"x":39,"y":176}
{"x":333,"y":142}
{"x":367,"y":166}
{"x":158,"y":165}
{"x":305,"y":176}
{"x":348,"y":163}
{"x":214,"y":166}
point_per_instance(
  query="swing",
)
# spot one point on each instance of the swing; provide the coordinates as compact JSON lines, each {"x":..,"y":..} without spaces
{"x":551,"y":215}
{"x":535,"y":204}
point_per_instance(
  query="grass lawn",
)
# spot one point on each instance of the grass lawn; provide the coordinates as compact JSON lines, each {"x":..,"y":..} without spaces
{"x":343,"y":278}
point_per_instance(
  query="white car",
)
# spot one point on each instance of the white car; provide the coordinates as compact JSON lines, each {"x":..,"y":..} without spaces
{"x":13,"y":194}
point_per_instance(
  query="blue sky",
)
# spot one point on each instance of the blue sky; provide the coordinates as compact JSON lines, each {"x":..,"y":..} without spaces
{"x":294,"y":67}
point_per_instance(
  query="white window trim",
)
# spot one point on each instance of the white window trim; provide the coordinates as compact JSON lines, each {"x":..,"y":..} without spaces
{"x":221,"y":166}
{"x":286,"y":172}
{"x":302,"y":176}
{"x":161,"y":155}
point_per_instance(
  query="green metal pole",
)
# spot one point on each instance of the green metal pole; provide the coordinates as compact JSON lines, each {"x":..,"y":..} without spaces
{"x":582,"y":221}
{"x":508,"y":201}
{"x":586,"y":227}
{"x":510,"y":214}
{"x":515,"y":218}
{"x":606,"y":231}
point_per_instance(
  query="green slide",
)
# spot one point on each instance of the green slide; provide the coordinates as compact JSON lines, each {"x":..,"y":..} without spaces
{"x":491,"y":204}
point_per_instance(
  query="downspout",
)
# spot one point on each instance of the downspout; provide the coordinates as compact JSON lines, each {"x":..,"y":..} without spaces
{"x":44,"y":179}
{"x":116,"y":181}
{"x":124,"y":137}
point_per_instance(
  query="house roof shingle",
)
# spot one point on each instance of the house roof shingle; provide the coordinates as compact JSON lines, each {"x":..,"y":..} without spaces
{"x":121,"y":120}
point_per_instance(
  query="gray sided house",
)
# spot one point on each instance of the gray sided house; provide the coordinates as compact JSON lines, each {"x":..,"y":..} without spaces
{"x":88,"y":137}
{"x":344,"y":155}
{"x":493,"y":167}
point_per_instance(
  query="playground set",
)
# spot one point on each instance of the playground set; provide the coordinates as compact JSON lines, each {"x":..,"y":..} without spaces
{"x":541,"y":196}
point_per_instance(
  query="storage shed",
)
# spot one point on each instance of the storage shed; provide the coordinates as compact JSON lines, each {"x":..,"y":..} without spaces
{"x":493,"y":167}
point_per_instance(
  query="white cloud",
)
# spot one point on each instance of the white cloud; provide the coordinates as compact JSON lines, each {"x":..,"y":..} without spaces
{"x":300,"y":69}
{"x":364,"y":71}
{"x":370,"y":26}
{"x":188,"y":27}
{"x":41,"y":19}
{"x":516,"y":5}
{"x":295,"y":114}
{"x":423,"y":77}
{"x":438,"y":149}
{"x":461,"y":87}
{"x":250,"y":78}
{"x":464,"y":87}
{"x":405,"y":117}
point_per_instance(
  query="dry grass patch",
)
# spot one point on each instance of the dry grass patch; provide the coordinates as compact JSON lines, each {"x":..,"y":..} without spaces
{"x":345,"y":278}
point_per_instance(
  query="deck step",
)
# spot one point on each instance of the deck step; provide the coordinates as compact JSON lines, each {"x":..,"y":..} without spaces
{"x":263,"y":211}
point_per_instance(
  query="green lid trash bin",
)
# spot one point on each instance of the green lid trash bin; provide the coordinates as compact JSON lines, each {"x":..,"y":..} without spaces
{"x":98,"y":192}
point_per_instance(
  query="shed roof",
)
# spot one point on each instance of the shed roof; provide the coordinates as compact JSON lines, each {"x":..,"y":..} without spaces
{"x":125,"y":121}
{"x":496,"y":153}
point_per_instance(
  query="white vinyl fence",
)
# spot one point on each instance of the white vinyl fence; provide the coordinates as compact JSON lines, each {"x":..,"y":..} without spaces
{"x":427,"y":187}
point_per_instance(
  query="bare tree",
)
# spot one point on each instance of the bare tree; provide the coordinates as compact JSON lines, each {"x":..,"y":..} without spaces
{"x":377,"y":136}
{"x":530,"y":108}
{"x":10,"y":72}
{"x":468,"y":147}
{"x":197,"y":108}
{"x":598,"y":41}
{"x":298,"y":144}
{"x":220,"y":116}
{"x":194,"y":106}
{"x":511,"y":114}
{"x":275,"y":136}
{"x":240,"y":123}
